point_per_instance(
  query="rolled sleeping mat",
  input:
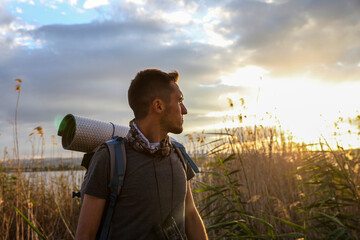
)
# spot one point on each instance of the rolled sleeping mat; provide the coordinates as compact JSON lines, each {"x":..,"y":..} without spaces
{"x":84,"y":135}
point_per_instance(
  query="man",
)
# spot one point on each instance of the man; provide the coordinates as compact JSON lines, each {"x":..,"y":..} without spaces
{"x":156,"y":185}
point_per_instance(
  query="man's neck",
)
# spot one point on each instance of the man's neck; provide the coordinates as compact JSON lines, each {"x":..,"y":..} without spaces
{"x":151,"y":130}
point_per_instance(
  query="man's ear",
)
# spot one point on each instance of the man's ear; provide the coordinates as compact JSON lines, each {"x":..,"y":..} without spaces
{"x":158,"y":105}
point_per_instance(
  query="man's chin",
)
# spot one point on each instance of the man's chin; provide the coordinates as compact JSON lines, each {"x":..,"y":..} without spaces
{"x":177,"y":131}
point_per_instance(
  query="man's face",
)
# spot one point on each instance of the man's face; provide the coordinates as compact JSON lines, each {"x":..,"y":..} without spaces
{"x":172,"y":120}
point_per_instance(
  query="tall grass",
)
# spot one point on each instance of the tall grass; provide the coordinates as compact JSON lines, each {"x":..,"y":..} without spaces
{"x":331,"y":184}
{"x":268,"y":187}
{"x":43,"y":199}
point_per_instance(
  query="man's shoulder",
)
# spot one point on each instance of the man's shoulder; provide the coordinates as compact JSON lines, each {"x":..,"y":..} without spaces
{"x":101,"y":150}
{"x":100,"y":157}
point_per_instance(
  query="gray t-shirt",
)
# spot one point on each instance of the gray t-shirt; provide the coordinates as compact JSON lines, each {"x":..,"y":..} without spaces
{"x":140,"y":206}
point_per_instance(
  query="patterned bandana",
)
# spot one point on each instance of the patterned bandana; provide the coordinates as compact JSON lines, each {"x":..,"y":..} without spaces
{"x":138,"y":142}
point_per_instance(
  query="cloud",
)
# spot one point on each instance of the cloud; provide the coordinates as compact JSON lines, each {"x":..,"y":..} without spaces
{"x":5,"y":17}
{"x":96,"y":35}
{"x":18,"y":10}
{"x":73,"y":2}
{"x":88,"y":4}
{"x":297,"y":36}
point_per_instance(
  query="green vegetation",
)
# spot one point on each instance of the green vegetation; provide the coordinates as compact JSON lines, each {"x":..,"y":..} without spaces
{"x":272,"y":188}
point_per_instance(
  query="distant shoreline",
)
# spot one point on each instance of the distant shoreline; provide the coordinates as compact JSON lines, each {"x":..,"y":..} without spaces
{"x":41,"y":169}
{"x":45,"y":164}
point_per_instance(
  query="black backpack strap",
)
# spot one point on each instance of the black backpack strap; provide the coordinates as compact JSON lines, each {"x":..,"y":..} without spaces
{"x":117,"y":173}
{"x":181,"y":148}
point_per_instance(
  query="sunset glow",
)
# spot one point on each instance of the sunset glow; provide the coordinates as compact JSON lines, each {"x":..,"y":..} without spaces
{"x":281,"y":63}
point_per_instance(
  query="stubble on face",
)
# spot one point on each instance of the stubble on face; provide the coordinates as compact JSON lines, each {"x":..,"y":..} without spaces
{"x":172,"y":120}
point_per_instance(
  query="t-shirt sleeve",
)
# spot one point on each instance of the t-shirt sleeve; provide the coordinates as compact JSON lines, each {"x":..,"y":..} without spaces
{"x":97,"y":177}
{"x":190,"y":171}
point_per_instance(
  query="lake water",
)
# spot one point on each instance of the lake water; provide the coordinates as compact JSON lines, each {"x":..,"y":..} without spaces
{"x":71,"y":178}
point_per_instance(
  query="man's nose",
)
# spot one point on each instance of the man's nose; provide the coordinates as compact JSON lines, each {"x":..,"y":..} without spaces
{"x":183,"y":109}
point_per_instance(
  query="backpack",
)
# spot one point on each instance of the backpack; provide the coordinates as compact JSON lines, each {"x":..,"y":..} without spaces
{"x":117,"y":151}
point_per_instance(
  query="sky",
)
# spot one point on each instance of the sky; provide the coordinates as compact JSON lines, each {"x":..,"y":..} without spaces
{"x":296,"y":63}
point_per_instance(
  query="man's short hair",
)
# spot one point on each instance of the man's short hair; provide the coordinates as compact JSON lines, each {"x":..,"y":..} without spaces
{"x":148,"y":85}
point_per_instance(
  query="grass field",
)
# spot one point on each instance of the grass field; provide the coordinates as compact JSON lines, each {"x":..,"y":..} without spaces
{"x":268,"y":188}
{"x":272,"y":188}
